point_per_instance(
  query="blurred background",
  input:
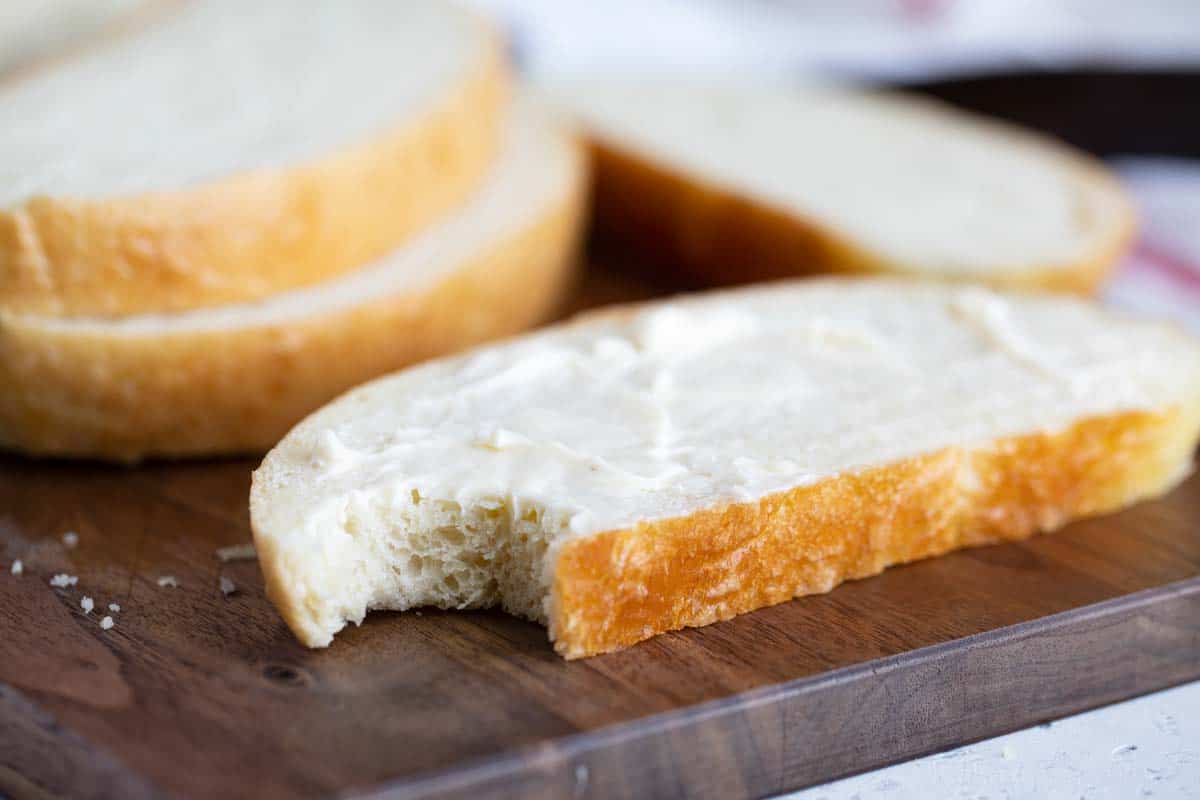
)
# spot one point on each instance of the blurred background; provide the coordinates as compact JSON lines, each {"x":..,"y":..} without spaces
{"x":894,"y":40}
{"x":1120,"y":79}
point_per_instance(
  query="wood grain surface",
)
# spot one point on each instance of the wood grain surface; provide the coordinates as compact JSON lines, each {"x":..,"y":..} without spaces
{"x":196,"y":694}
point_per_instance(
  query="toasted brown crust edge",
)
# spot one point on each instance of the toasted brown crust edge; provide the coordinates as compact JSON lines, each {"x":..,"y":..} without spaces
{"x":623,"y":586}
{"x":694,"y":234}
{"x":255,"y":234}
{"x":125,"y":398}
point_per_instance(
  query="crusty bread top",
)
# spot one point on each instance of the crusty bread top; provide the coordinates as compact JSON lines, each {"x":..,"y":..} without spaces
{"x":915,"y":183}
{"x":225,"y":86}
{"x":538,"y":166}
{"x":663,"y":410}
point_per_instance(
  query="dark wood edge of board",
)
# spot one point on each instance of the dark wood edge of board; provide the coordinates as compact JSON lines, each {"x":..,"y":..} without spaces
{"x":781,"y":738}
{"x":40,"y":759}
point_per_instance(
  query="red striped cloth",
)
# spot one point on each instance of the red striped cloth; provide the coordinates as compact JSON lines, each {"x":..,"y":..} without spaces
{"x":1161,"y":277}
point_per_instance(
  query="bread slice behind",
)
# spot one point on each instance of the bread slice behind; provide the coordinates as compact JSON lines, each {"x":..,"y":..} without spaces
{"x":234,"y":378}
{"x":225,"y":151}
{"x":677,"y":463}
{"x":722,"y":184}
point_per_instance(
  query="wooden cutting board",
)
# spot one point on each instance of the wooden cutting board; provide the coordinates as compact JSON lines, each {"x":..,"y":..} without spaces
{"x":197,"y":694}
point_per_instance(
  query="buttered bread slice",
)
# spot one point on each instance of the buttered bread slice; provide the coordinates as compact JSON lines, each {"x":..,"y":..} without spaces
{"x":235,"y":378}
{"x":676,"y":463}
{"x":730,"y":185}
{"x":221,"y":151}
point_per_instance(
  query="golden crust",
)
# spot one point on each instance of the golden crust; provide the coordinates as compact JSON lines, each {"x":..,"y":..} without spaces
{"x":704,"y":235}
{"x":255,"y":234}
{"x":623,"y":586}
{"x":125,"y":397}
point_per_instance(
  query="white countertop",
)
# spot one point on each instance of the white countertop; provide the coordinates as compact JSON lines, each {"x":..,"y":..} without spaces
{"x":1146,"y":747}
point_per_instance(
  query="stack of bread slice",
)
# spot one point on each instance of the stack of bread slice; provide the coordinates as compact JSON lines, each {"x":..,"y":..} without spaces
{"x":214,"y":222}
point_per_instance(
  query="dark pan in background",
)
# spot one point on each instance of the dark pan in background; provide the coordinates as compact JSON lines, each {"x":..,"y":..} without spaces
{"x":1106,"y":112}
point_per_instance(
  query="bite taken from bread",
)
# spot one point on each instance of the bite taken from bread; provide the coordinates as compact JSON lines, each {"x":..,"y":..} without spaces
{"x":667,"y":465}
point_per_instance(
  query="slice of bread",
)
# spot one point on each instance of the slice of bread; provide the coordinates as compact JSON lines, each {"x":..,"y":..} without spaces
{"x":675,"y":464}
{"x":731,"y":185}
{"x":235,"y":378}
{"x":227,"y":150}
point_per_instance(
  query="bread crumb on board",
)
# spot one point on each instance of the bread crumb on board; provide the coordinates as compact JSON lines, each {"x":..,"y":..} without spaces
{"x":87,"y":604}
{"x":237,"y":552}
{"x":106,"y":623}
{"x":17,"y":567}
{"x":62,"y":580}
{"x":113,"y":607}
{"x":70,"y":539}
{"x":168,"y":582}
{"x":228,"y":587}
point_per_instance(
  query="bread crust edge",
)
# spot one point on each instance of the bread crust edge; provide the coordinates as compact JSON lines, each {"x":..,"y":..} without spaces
{"x":621,"y":587}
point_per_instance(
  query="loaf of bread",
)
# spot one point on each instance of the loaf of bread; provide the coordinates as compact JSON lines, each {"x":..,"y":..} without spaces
{"x":677,"y":463}
{"x":223,"y":150}
{"x":236,"y":377}
{"x":726,"y":185}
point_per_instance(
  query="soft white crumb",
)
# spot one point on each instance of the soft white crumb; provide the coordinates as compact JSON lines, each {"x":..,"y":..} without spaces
{"x":17,"y":567}
{"x":237,"y":552}
{"x":70,"y":539}
{"x":168,"y":581}
{"x":227,"y":586}
{"x":1009,"y":752}
{"x":87,"y":604}
{"x":62,"y":580}
{"x":106,"y":623}
{"x":113,"y":607}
